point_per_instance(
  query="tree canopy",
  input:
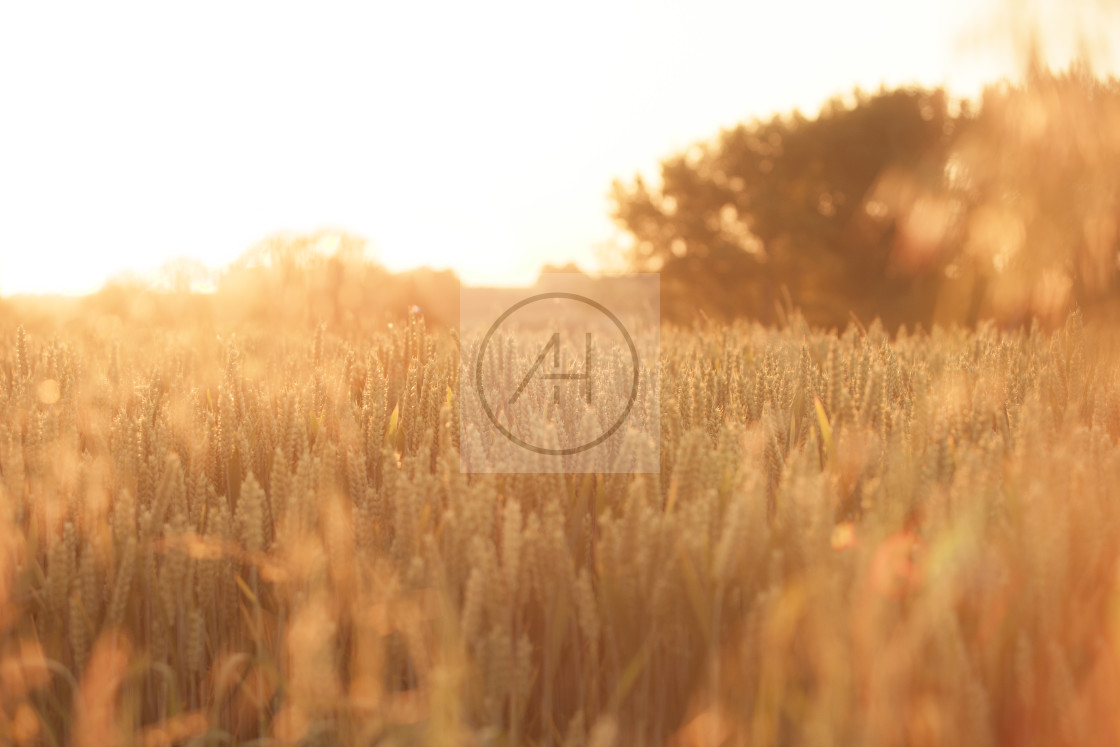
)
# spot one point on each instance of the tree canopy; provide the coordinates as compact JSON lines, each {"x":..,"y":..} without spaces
{"x":904,"y":205}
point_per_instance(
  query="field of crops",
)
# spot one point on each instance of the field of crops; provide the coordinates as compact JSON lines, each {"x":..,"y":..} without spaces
{"x":853,"y":539}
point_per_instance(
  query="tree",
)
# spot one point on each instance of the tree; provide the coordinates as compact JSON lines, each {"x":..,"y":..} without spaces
{"x":896,"y":206}
{"x":795,"y":202}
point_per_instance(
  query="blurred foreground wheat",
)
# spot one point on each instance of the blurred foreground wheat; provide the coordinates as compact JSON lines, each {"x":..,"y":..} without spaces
{"x":852,"y":539}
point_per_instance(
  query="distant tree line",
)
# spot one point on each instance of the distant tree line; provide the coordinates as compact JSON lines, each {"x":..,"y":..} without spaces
{"x":293,"y":282}
{"x":903,"y":205}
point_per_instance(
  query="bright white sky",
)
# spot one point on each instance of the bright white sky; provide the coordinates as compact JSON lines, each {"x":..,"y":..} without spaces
{"x":480,"y":136}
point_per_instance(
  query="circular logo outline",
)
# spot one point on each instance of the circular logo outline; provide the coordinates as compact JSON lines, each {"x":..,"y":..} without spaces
{"x":571,"y":297}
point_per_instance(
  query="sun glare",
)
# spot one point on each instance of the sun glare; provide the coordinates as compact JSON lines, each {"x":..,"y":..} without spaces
{"x":441,"y":138}
{"x":624,"y":373}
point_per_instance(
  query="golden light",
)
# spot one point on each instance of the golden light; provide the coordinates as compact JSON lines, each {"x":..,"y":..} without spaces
{"x":482,"y":141}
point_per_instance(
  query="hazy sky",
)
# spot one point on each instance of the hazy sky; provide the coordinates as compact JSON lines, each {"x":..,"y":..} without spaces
{"x":481,"y":136}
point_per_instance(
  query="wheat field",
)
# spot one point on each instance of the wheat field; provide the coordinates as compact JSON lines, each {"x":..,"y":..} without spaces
{"x":854,"y":538}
